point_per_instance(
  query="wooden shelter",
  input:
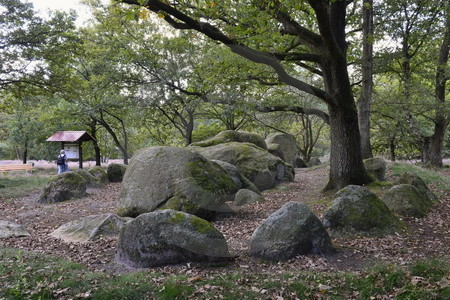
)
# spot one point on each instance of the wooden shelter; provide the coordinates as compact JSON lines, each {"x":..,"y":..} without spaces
{"x":71,"y":143}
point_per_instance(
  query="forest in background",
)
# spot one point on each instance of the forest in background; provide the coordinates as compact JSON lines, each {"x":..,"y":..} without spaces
{"x":133,"y":79}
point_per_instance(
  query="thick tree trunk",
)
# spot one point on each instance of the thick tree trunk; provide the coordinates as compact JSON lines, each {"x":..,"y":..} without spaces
{"x":346,"y":160}
{"x":442,"y":119}
{"x":392,"y":147}
{"x":365,"y":99}
{"x":437,"y":140}
{"x":25,"y":152}
{"x":425,"y":149}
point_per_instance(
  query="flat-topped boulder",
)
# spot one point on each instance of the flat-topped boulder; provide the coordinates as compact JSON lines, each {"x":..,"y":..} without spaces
{"x":65,"y":186}
{"x":174,"y":178}
{"x":263,"y":169}
{"x":90,"y":228}
{"x":10,"y":229}
{"x":169,"y":237}
{"x":233,"y":136}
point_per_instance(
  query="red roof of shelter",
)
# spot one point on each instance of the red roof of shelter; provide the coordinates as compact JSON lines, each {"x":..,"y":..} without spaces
{"x":70,"y":136}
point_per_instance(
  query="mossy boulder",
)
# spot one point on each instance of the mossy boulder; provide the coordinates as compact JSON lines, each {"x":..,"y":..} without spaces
{"x":91,"y":180}
{"x":290,"y":231}
{"x":241,"y":181}
{"x":417,"y":181}
{"x":407,"y":200}
{"x":174,"y":178}
{"x":245,"y":196}
{"x":169,"y":237}
{"x":10,"y":229}
{"x":90,"y":228}
{"x":99,"y":173}
{"x":259,"y":166}
{"x":233,"y":136}
{"x":64,"y":187}
{"x":358,"y":211}
{"x":283,"y":145}
{"x":376,"y":167}
{"x":116,"y":172}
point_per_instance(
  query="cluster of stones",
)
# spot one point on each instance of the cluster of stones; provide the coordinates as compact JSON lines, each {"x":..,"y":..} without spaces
{"x":169,"y":195}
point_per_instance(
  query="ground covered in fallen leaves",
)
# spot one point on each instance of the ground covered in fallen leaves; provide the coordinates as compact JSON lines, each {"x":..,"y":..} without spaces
{"x":423,"y":238}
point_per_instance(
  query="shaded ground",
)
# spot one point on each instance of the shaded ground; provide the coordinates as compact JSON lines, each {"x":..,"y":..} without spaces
{"x":424,"y":238}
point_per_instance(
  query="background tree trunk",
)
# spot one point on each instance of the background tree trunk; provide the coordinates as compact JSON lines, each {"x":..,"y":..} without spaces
{"x":442,"y":119}
{"x":365,"y":99}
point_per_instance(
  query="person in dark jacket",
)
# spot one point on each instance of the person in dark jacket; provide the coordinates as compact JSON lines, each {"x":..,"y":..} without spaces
{"x":61,"y":162}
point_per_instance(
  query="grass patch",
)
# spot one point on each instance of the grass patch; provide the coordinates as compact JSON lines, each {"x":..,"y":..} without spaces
{"x":26,"y":275}
{"x":16,"y":185}
{"x":427,"y":174}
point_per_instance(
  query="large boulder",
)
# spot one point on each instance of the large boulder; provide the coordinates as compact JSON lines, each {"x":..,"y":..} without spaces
{"x":174,"y":178}
{"x":241,"y":181}
{"x":91,"y":180}
{"x":407,"y":200}
{"x":10,"y":229}
{"x":284,"y":145}
{"x":376,"y":167}
{"x":90,"y":228}
{"x":259,"y":166}
{"x":116,"y":172}
{"x":290,"y":231}
{"x":233,"y":136}
{"x":168,"y":237}
{"x":358,"y":211}
{"x":99,"y":173}
{"x":417,"y":181}
{"x":65,"y":186}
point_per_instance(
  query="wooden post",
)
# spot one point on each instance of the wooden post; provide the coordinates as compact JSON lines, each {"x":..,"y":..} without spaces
{"x":80,"y":153}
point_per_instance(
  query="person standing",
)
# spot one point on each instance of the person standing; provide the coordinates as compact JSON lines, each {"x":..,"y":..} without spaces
{"x":61,"y":162}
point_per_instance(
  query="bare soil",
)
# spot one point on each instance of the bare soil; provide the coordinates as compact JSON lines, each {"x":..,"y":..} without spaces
{"x":423,"y":238}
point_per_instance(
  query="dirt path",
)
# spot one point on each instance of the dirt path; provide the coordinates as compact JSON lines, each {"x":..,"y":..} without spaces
{"x":426,"y":237}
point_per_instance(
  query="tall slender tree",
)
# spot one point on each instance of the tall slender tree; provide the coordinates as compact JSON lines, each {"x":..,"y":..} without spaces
{"x":365,"y":99}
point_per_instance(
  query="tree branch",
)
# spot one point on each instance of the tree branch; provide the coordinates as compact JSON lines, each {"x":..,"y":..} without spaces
{"x":297,"y":109}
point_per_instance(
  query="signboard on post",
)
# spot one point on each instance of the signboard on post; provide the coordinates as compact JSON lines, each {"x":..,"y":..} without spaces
{"x":72,"y":151}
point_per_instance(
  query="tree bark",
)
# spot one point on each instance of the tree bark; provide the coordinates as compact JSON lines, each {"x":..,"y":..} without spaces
{"x":95,"y":143}
{"x":25,"y":152}
{"x":392,"y":147}
{"x":442,"y":119}
{"x":365,"y":99}
{"x":347,"y":165}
